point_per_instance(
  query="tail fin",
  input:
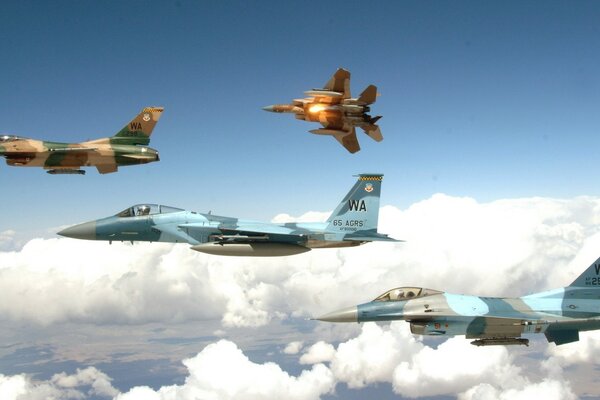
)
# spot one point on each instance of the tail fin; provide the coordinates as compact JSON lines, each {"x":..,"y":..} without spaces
{"x":340,"y":82}
{"x":359,"y":210}
{"x":138,"y":131}
{"x":369,"y":95}
{"x":590,"y":277}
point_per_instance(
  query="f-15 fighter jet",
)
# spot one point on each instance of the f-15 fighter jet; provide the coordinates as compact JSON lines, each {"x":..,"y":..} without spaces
{"x":352,"y":223}
{"x":334,"y":108}
{"x":127,"y":147}
{"x":560,"y":314}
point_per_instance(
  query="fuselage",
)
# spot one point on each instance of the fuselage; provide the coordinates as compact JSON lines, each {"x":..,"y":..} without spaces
{"x":208,"y":233}
{"x":328,"y":115}
{"x":25,"y":152}
{"x":432,"y":312}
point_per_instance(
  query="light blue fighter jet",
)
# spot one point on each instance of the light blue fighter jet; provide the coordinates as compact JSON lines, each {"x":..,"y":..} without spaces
{"x":352,"y":223}
{"x":560,"y":314}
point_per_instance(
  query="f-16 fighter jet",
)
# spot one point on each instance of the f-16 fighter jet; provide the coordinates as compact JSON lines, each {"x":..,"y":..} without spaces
{"x":127,"y":147}
{"x":352,"y":223}
{"x":333,"y":108}
{"x":560,"y":314}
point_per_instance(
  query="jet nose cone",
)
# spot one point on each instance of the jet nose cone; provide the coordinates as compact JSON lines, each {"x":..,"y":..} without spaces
{"x":87,"y":230}
{"x":349,"y":314}
{"x":269,"y":108}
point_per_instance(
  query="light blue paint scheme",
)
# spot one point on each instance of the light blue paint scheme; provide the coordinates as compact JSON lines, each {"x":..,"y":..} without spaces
{"x":559,"y":313}
{"x":466,"y":305}
{"x":353,"y":222}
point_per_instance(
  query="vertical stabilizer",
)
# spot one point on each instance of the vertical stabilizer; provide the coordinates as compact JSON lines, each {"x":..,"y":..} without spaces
{"x":138,"y":131}
{"x":369,"y":95}
{"x":340,"y":82}
{"x":590,"y":277}
{"x":359,"y":210}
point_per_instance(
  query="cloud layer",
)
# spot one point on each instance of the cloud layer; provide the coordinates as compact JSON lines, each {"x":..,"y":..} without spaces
{"x":506,"y":247}
{"x":378,"y":354}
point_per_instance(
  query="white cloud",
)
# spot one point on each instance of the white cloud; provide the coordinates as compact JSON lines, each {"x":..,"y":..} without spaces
{"x":587,"y":349}
{"x":548,"y":389}
{"x":318,"y":353}
{"x":85,"y":382}
{"x":221,"y":371}
{"x":506,"y":247}
{"x":378,"y":354}
{"x":293,"y":347}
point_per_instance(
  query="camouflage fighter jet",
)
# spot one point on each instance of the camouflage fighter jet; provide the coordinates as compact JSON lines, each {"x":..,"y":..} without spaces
{"x":127,"y":147}
{"x":352,"y":223}
{"x":560,"y":314}
{"x":333,"y":108}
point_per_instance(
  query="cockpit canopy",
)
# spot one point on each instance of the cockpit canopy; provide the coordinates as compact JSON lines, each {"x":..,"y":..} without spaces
{"x":406,"y":293}
{"x":147,"y":209}
{"x":9,"y":138}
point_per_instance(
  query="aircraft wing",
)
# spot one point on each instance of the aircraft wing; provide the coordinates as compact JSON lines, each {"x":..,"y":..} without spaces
{"x":178,"y":232}
{"x":348,"y":140}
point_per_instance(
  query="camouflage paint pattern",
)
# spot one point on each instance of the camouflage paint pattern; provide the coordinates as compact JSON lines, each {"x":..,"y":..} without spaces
{"x":336,"y":111}
{"x":352,"y":223}
{"x":560,"y":313}
{"x":127,"y":147}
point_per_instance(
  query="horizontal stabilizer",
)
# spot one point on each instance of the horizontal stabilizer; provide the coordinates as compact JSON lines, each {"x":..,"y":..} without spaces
{"x":370,"y":237}
{"x":560,"y":336}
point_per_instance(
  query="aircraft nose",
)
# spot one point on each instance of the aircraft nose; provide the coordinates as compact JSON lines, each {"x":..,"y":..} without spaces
{"x":269,"y":108}
{"x":349,"y":314}
{"x":87,"y":230}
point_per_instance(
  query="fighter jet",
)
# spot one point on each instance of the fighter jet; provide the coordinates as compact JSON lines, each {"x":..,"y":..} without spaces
{"x":352,"y":223}
{"x":127,"y":147}
{"x":334,"y":108}
{"x":559,"y":314}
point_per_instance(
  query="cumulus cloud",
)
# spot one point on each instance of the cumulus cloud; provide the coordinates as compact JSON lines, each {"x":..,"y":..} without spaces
{"x":85,"y":383}
{"x":392,"y":354}
{"x":501,"y":248}
{"x":293,"y":347}
{"x":506,"y":247}
{"x":548,"y":389}
{"x":318,"y":353}
{"x":378,"y":354}
{"x":222,"y":371}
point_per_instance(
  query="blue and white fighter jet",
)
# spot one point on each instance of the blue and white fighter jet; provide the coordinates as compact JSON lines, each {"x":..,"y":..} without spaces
{"x":559,"y":314}
{"x":352,"y":223}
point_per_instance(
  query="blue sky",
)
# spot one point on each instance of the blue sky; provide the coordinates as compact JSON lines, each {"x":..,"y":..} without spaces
{"x":478,"y":99}
{"x":491,"y":100}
